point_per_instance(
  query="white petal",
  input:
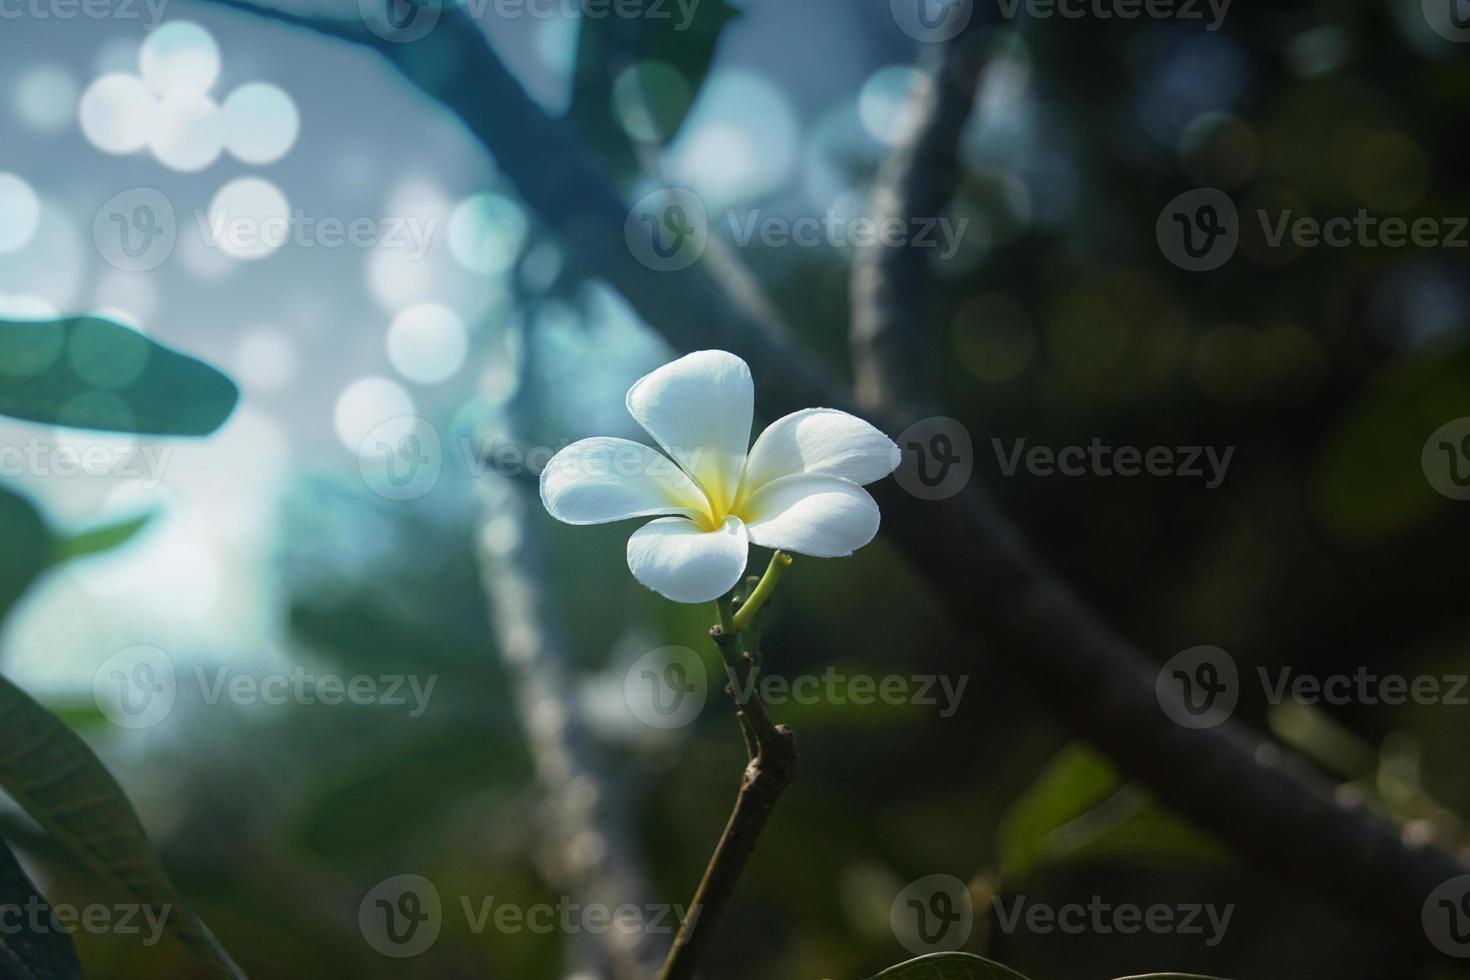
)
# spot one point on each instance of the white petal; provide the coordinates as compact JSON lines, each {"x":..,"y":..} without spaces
{"x":820,"y":516}
{"x":599,"y":480}
{"x":680,"y":560}
{"x":820,"y":441}
{"x":699,"y":409}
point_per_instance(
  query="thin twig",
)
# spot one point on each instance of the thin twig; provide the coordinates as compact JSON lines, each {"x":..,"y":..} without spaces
{"x":770,"y":769}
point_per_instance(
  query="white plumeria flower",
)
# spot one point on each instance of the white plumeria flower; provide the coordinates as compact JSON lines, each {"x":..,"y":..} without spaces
{"x":798,"y":489}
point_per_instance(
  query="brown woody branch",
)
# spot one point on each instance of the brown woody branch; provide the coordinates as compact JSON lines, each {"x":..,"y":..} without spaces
{"x":1227,"y":779}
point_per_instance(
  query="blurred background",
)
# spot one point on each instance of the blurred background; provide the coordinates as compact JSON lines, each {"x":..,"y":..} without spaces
{"x":286,"y":545}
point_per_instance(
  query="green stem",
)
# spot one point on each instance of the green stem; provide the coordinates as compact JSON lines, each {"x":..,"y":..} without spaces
{"x":726,"y":605}
{"x":780,"y":561}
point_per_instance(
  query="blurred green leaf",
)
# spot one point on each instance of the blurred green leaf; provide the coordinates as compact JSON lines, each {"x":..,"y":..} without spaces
{"x":31,"y":546}
{"x":53,"y":775}
{"x":1078,"y":809}
{"x":1074,"y":782}
{"x":1169,"y":976}
{"x":1369,"y":480}
{"x":31,"y":954}
{"x":27,"y":550}
{"x":99,"y":539}
{"x":949,"y":966}
{"x":91,"y":373}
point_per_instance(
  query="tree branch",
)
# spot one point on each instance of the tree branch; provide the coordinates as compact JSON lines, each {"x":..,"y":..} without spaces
{"x":1227,"y":780}
{"x":597,"y":857}
{"x":1267,"y":804}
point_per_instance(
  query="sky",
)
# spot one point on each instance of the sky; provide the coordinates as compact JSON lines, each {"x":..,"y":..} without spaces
{"x":203,"y":135}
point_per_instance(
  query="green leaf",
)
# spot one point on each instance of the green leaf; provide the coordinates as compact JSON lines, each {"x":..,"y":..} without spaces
{"x":27,"y":549}
{"x":31,"y":954}
{"x":87,"y":372}
{"x":52,"y":774}
{"x":1076,"y":780}
{"x":1369,"y":480}
{"x":1170,"y":976}
{"x":99,"y":539}
{"x":1079,"y":809}
{"x":949,"y":966}
{"x":31,"y":546}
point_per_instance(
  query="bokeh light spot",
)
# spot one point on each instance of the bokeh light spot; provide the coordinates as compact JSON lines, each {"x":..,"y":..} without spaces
{"x":427,"y":342}
{"x":180,"y":58}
